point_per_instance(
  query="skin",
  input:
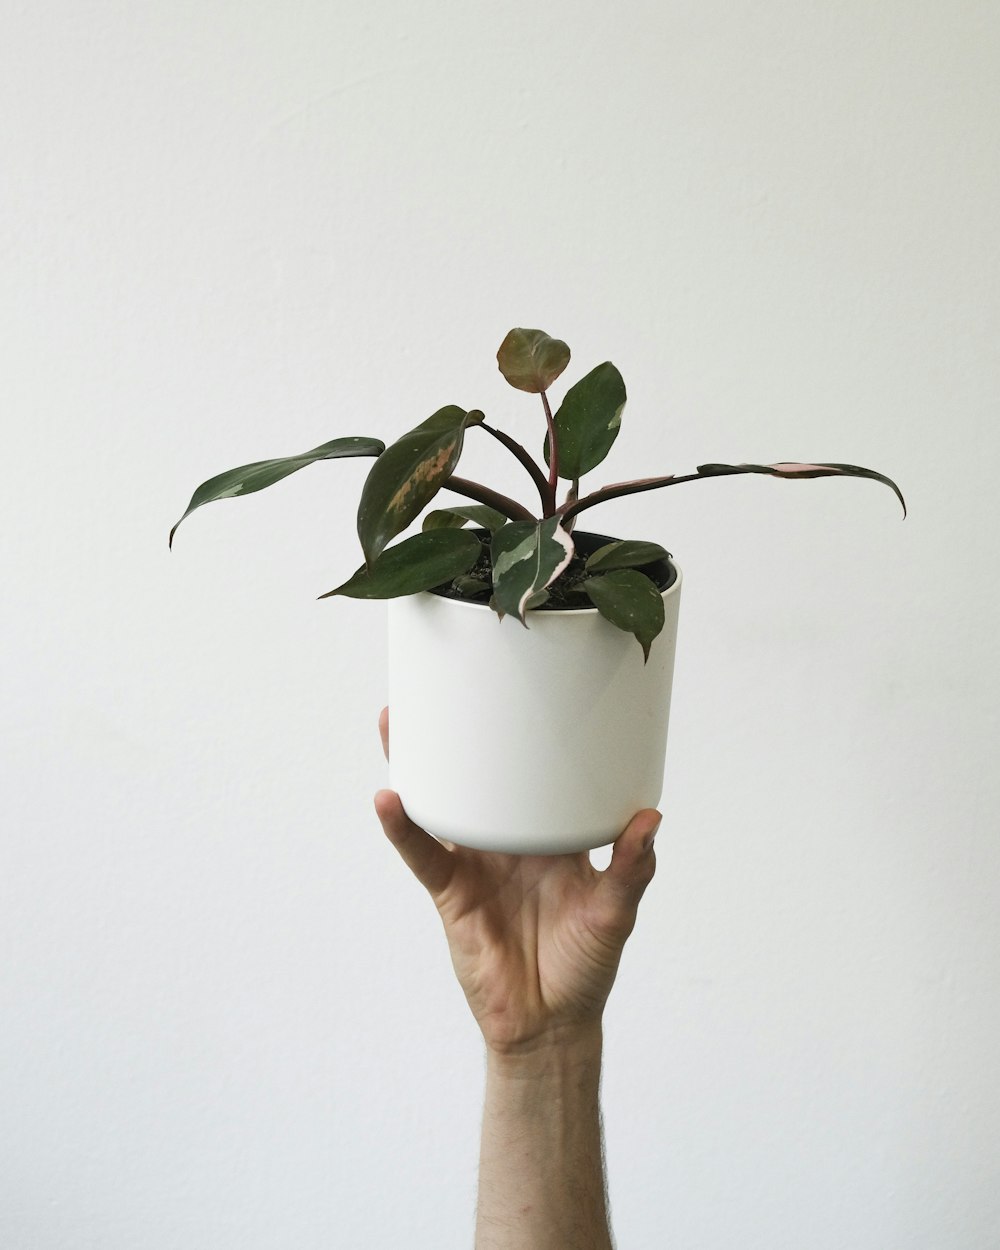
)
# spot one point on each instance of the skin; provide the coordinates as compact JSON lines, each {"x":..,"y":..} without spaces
{"x":535,"y":942}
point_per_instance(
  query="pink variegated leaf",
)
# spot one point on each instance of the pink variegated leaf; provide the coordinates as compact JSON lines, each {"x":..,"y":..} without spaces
{"x":786,"y":469}
{"x":527,"y":557}
{"x":792,"y":469}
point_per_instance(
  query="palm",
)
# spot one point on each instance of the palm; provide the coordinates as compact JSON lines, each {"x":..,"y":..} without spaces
{"x":531,"y":949}
{"x":535,"y":940}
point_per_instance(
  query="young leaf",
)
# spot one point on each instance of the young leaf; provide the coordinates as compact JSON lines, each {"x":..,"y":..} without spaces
{"x":527,"y":557}
{"x":625,"y":555}
{"x":408,"y":475}
{"x":531,"y":361}
{"x":631,"y":601}
{"x":588,"y":420}
{"x":415,"y":564}
{"x":455,"y":518}
{"x":253,"y":477}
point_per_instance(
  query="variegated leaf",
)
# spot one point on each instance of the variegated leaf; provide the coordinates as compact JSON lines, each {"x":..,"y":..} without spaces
{"x":630,"y":600}
{"x":786,"y":469}
{"x":791,"y":469}
{"x":408,"y":475}
{"x":455,"y":518}
{"x":249,"y":478}
{"x":527,"y":557}
{"x":625,"y":554}
{"x":530,"y":360}
{"x":415,"y":564}
{"x":588,"y":421}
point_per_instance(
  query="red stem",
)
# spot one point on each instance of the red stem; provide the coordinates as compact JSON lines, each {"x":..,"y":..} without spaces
{"x":482,"y":494}
{"x":553,"y":451}
{"x":569,"y":510}
{"x":537,"y":476}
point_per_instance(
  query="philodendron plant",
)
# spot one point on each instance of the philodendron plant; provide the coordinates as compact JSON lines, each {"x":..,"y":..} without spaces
{"x":519,"y":558}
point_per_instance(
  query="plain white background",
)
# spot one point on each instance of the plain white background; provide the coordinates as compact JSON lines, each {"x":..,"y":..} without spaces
{"x":230,"y":231}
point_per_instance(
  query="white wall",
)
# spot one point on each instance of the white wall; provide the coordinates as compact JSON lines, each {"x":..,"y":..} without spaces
{"x":236,"y":230}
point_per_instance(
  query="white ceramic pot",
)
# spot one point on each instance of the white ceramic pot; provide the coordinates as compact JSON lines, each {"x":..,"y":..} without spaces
{"x":533,"y":741}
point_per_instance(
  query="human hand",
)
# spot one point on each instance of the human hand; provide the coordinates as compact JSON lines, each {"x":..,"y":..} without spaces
{"x":535,"y":939}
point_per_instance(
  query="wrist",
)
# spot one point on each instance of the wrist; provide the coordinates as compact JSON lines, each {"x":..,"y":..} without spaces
{"x":560,"y":1050}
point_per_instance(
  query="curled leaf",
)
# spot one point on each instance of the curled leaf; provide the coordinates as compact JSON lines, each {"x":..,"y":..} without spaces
{"x":530,"y":360}
{"x":786,"y":469}
{"x":791,"y":469}
{"x":249,"y":478}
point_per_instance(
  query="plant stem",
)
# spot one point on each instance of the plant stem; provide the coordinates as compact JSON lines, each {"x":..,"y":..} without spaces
{"x":569,"y":510}
{"x":553,"y":451}
{"x":537,"y":476}
{"x":482,"y":494}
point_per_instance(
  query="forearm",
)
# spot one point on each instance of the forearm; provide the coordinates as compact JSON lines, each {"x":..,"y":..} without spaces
{"x":541,"y":1169}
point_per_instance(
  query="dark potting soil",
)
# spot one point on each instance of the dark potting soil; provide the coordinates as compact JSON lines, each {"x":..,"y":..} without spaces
{"x":565,"y":593}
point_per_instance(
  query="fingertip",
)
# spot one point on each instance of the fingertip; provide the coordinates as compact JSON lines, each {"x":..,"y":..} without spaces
{"x":643,"y":827}
{"x":427,"y":859}
{"x":383,"y":800}
{"x":392,"y":817}
{"x":633,"y":859}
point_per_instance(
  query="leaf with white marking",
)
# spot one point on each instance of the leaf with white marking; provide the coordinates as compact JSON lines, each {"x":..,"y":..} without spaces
{"x":786,"y":469}
{"x":625,"y":554}
{"x":527,"y":557}
{"x":791,"y":469}
{"x":588,"y":421}
{"x":249,"y":478}
{"x":631,"y":601}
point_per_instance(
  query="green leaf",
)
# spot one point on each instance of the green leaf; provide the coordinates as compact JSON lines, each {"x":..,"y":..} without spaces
{"x":527,"y":556}
{"x":477,"y":513}
{"x":408,"y":475}
{"x":791,"y":469}
{"x":531,"y":361}
{"x":631,"y":601}
{"x":249,"y":478}
{"x":471,"y":586}
{"x":417,"y":563}
{"x":588,"y":421}
{"x":786,"y":469}
{"x":625,"y":555}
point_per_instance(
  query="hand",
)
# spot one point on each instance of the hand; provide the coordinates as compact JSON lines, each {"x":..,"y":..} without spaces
{"x":535,"y":939}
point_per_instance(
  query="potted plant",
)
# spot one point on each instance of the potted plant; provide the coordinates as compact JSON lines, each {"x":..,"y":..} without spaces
{"x":529,"y":740}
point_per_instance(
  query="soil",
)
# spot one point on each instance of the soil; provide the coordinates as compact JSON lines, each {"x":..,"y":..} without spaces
{"x":565,"y":593}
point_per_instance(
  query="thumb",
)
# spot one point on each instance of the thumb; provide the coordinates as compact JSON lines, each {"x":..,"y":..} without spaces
{"x":426,"y":858}
{"x":633,"y":861}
